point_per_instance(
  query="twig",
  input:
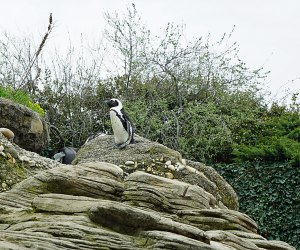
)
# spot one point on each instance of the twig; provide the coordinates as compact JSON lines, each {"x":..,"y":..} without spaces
{"x":37,"y":53}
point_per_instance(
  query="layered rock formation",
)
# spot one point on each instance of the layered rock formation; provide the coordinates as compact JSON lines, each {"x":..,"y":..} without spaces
{"x":30,"y":129}
{"x":142,"y":197}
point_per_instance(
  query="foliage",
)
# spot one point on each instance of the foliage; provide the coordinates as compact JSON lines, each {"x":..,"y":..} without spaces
{"x":269,"y":193}
{"x":20,"y":97}
{"x":277,"y":140}
{"x":202,"y":130}
{"x":197,"y":130}
{"x":205,"y":135}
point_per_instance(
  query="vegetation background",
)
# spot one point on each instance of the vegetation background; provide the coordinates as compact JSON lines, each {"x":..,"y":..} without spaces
{"x":196,"y":97}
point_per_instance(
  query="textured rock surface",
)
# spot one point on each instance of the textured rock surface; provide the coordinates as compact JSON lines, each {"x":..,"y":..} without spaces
{"x":29,"y":128}
{"x":16,"y":164}
{"x":152,"y":157}
{"x":96,"y":205}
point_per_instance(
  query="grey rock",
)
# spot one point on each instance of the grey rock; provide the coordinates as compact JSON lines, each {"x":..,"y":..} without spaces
{"x":29,"y":128}
{"x":246,"y":235}
{"x":162,"y":194}
{"x":92,"y":205}
{"x":230,"y":240}
{"x":167,"y":240}
{"x":101,"y":149}
{"x":131,"y":219}
{"x":272,"y":244}
{"x":222,"y":219}
{"x":25,"y":163}
{"x":145,"y":151}
{"x":62,"y":203}
{"x":221,"y":189}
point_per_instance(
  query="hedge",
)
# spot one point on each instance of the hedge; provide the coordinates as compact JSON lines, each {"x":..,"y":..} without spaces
{"x":270,"y":194}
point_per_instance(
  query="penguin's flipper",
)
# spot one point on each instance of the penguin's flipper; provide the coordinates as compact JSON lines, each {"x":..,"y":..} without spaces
{"x":130,"y":132}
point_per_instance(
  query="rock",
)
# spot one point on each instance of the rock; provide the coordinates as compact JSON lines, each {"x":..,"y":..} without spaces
{"x":16,"y":164}
{"x":169,"y":175}
{"x":62,"y":203}
{"x":231,"y":241}
{"x":92,"y":205}
{"x":162,"y":194}
{"x":168,"y":163}
{"x":125,"y":216}
{"x":129,"y":163}
{"x":29,"y":129}
{"x":221,"y":219}
{"x":171,"y":167}
{"x":12,"y":151}
{"x":272,"y":245}
{"x":179,"y":166}
{"x":167,"y":240}
{"x":211,"y":181}
{"x":7,"y":133}
{"x":101,"y":149}
{"x":4,"y":185}
{"x":246,"y":235}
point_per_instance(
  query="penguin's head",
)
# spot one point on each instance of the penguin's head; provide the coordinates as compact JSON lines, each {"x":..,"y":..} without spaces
{"x":59,"y":156}
{"x":112,"y":103}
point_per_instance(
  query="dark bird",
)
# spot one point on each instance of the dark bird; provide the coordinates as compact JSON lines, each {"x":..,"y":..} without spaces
{"x":66,"y":155}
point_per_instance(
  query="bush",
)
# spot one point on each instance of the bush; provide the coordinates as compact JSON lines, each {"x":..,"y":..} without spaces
{"x":205,"y":135}
{"x":277,"y":140}
{"x":269,"y":193}
{"x":204,"y":131}
{"x":20,"y":97}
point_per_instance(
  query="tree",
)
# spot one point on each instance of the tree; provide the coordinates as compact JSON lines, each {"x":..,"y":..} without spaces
{"x":131,"y":38}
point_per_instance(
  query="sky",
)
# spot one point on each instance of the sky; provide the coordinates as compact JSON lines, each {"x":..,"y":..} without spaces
{"x":267,"y":31}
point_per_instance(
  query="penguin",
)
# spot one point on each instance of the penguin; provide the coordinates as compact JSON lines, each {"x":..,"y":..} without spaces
{"x":121,"y":125}
{"x":66,"y":155}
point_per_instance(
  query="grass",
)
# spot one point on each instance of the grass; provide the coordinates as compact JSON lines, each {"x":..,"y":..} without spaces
{"x":20,"y":97}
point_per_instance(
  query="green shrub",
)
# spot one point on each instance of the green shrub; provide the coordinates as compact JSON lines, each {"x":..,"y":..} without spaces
{"x":269,"y":193}
{"x":201,"y":131}
{"x":20,"y":97}
{"x":204,"y":134}
{"x":277,"y":140}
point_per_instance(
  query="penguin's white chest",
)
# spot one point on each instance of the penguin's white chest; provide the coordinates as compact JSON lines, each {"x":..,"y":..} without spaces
{"x":120,"y":134}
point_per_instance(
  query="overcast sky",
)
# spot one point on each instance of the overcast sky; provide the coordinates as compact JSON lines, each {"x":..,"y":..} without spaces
{"x":267,"y":31}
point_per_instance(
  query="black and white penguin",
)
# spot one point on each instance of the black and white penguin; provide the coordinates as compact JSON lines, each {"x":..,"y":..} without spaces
{"x":65,"y":155}
{"x":121,"y":125}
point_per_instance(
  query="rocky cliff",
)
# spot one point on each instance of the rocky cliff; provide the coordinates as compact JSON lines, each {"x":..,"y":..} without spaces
{"x":142,"y":197}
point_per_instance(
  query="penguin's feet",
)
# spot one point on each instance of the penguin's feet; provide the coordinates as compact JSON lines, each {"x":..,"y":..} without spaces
{"x":119,"y":146}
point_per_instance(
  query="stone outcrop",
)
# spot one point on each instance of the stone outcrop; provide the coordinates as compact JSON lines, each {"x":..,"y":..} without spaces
{"x":16,"y":164}
{"x":127,"y":202}
{"x":157,"y":159}
{"x":29,"y":128}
